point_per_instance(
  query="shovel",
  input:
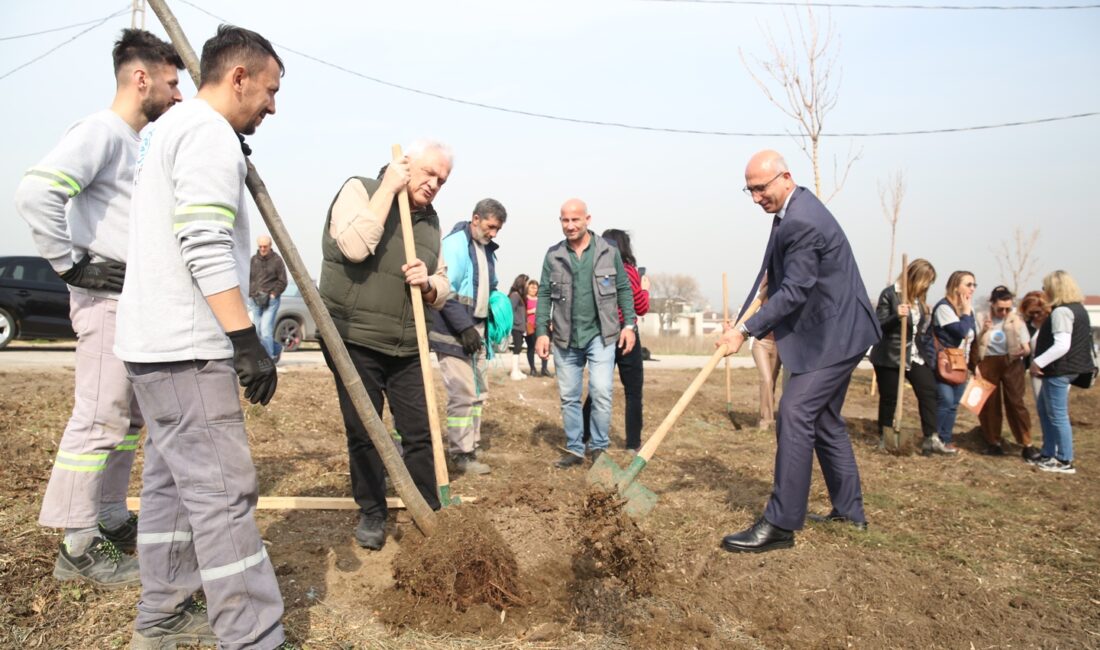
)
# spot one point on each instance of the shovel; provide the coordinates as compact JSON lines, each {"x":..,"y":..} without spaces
{"x":904,"y":349}
{"x":605,"y":473}
{"x":441,"y":479}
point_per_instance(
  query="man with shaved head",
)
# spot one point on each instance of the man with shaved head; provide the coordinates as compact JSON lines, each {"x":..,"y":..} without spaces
{"x":266,"y":284}
{"x":584,"y":286}
{"x":823,"y":323}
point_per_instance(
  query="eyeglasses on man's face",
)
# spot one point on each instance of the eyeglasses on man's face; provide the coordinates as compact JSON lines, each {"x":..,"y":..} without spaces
{"x":759,"y":189}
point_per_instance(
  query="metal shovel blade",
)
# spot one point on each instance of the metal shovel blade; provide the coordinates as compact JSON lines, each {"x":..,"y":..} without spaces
{"x":638,"y":500}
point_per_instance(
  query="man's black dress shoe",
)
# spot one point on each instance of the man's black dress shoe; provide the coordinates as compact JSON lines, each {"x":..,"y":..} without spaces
{"x":835,"y":518}
{"x":761,"y":537}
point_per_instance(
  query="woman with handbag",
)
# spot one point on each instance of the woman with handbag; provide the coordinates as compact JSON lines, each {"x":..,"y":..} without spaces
{"x":952,"y":335}
{"x":1063,"y":356}
{"x":886,"y":355}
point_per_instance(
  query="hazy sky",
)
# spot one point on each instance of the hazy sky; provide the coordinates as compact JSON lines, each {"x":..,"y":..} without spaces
{"x":661,"y":64}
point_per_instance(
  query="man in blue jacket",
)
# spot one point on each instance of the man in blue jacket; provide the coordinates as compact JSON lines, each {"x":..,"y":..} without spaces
{"x":823,"y":324}
{"x":458,"y":329}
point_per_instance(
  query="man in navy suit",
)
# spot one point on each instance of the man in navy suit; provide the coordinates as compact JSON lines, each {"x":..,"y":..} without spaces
{"x":823,"y":323}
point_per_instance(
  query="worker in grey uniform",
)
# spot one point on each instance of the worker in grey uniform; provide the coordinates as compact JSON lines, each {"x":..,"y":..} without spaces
{"x":185,"y":335}
{"x":77,"y":203}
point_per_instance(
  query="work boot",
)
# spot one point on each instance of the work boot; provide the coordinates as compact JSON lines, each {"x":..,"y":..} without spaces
{"x":568,"y":460}
{"x":371,"y":532}
{"x":102,"y":565}
{"x":467,"y":463}
{"x":125,"y":536}
{"x":190,"y":627}
{"x":594,"y":454}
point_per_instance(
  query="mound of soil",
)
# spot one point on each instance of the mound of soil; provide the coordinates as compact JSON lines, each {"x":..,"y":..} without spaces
{"x":612,"y":546}
{"x":466,"y":563}
{"x":614,"y":564}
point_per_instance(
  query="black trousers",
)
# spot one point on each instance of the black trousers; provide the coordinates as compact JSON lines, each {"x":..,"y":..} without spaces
{"x":530,"y":340}
{"x":399,"y":379}
{"x":632,"y":375}
{"x":923,"y":380}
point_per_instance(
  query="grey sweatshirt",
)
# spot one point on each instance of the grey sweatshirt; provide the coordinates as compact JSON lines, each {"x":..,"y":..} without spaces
{"x":189,"y":238}
{"x":90,"y":173}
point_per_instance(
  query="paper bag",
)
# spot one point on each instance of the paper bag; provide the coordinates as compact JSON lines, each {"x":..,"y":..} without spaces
{"x":977,"y":392}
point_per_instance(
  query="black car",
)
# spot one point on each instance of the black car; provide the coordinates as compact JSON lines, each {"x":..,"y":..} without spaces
{"x":34,"y":301}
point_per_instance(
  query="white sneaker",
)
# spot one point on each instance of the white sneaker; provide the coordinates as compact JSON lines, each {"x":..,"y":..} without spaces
{"x":939,"y":448}
{"x":1057,"y":466}
{"x":517,"y":375}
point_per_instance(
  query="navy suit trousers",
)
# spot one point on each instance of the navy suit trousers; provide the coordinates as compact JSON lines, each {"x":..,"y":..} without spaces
{"x":809,"y":421}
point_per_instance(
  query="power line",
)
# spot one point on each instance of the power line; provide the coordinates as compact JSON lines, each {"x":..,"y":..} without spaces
{"x":640,"y":127}
{"x":852,"y":5}
{"x":62,"y":44}
{"x":56,"y":29}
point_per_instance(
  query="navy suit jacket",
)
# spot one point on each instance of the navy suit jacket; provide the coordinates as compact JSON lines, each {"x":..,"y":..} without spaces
{"x":817,"y":307}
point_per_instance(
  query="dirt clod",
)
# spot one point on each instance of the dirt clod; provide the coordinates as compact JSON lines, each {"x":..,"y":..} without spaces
{"x":465,"y":563}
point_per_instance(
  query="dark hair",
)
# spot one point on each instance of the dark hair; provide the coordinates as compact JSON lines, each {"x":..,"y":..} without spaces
{"x":619,"y":239}
{"x":140,"y":45}
{"x":519,"y":285}
{"x":232,"y":46}
{"x":1001,"y":292}
{"x":487,"y":208}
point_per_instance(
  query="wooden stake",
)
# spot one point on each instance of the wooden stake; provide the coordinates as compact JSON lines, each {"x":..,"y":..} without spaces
{"x":725,"y":319}
{"x":403,"y":484}
{"x":306,"y":503}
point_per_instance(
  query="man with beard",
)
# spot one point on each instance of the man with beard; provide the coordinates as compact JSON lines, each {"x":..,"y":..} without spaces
{"x":460,"y":328}
{"x":77,"y":202}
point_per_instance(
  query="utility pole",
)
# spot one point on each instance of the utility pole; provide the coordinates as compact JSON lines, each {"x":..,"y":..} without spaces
{"x":137,"y":7}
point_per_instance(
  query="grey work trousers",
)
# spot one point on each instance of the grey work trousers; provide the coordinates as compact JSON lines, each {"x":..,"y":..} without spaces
{"x":96,"y":450}
{"x":464,"y":380}
{"x":198,"y":498}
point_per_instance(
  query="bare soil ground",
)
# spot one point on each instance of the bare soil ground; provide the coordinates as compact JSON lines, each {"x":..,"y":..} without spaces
{"x":966,"y":552}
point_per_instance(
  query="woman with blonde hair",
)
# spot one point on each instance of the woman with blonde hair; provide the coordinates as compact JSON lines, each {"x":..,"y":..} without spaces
{"x":886,"y":356}
{"x":1063,"y":352}
{"x":952,"y":327}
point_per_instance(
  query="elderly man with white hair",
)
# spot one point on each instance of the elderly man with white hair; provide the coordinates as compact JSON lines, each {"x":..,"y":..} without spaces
{"x":366,"y":285}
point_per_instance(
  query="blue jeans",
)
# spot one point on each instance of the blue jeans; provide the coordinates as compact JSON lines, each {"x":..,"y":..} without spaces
{"x":569,"y":365}
{"x":264,"y":320}
{"x":947,"y":407}
{"x":1053,"y":405}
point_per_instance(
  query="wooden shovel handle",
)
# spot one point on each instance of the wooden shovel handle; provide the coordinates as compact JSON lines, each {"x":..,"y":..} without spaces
{"x":904,"y":344}
{"x":440,"y":461}
{"x":654,"y":440}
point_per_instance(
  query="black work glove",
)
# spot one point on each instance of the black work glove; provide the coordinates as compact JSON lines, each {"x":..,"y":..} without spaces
{"x":471,"y":341}
{"x":245,"y":149}
{"x":254,"y":368}
{"x":106,"y":275}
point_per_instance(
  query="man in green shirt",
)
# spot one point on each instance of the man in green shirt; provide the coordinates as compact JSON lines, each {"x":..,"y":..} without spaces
{"x":583,"y":289}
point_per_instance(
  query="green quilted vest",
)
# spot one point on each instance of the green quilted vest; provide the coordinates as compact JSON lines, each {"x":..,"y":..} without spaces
{"x":369,"y":301}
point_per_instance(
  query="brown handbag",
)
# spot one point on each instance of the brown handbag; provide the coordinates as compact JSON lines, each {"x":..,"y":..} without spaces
{"x":950,"y":364}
